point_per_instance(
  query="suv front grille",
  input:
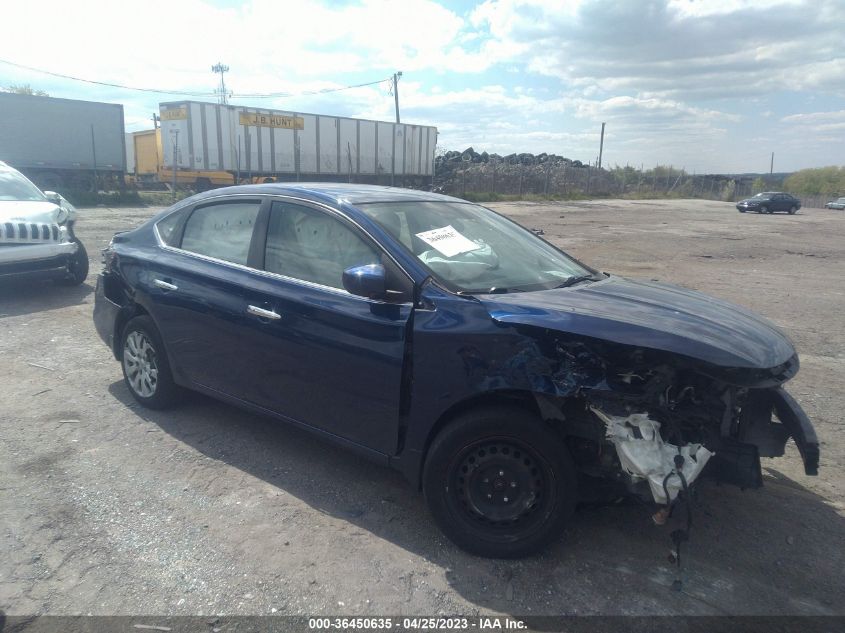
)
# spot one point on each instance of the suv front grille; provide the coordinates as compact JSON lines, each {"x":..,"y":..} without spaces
{"x":28,"y":233}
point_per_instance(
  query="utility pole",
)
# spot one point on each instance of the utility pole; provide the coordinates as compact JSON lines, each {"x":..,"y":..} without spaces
{"x":223,"y":96}
{"x":772,"y":164}
{"x":601,"y":145}
{"x":175,"y":134}
{"x":396,"y":77}
{"x":94,"y":152}
{"x":156,"y":144}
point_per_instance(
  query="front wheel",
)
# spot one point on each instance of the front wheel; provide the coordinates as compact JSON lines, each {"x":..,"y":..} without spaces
{"x":792,"y":210}
{"x":765,"y":210}
{"x":77,"y":267}
{"x":146,"y":371}
{"x":500,"y":483}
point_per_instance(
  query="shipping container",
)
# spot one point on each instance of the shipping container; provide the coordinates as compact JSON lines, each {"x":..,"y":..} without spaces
{"x":147,"y":146}
{"x":262,"y":145}
{"x":62,"y":142}
{"x":129,"y":143}
{"x":150,"y":173}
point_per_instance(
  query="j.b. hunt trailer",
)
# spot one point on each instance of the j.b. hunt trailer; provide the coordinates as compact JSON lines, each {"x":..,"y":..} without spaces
{"x":262,"y":145}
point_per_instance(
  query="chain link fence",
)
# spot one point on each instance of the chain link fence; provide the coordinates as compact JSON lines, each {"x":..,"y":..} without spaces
{"x":563,"y":179}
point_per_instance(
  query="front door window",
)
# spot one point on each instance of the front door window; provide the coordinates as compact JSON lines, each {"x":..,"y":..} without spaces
{"x":311,"y":245}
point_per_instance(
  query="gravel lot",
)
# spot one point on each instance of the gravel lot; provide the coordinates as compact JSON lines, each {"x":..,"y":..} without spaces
{"x":110,"y":509}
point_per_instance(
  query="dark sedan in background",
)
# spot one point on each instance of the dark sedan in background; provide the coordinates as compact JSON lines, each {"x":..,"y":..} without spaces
{"x":500,"y":375}
{"x":770,"y":202}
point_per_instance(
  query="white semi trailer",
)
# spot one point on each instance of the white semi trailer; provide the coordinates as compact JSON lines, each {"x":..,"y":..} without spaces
{"x":261,"y":145}
{"x":61,"y":143}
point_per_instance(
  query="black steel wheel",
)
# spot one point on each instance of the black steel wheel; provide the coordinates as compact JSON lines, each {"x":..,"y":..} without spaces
{"x":500,"y":483}
{"x":146,"y":370}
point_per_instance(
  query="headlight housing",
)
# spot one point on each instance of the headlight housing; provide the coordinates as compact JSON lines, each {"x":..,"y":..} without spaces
{"x":61,"y":216}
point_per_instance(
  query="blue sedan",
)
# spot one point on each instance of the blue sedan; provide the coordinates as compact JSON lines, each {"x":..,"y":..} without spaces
{"x":504,"y":378}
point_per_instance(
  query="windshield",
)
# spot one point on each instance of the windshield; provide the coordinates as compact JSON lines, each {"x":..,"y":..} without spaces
{"x":13,"y":186}
{"x":472,"y":249}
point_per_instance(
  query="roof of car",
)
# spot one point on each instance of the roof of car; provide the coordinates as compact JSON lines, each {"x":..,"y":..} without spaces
{"x":336,"y":192}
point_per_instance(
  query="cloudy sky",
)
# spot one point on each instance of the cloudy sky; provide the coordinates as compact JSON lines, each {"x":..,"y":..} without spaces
{"x":709,"y":85}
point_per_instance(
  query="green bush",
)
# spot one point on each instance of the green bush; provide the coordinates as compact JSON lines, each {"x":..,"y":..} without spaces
{"x":81,"y":198}
{"x":125,"y":198}
{"x":487,"y":196}
{"x":821,"y":181}
{"x":163,"y":198}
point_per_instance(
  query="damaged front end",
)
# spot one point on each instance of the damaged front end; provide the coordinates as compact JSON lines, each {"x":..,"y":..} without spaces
{"x":655,"y":386}
{"x":663,"y":427}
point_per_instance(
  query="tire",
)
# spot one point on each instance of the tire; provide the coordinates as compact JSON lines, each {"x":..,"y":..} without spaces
{"x":792,"y":210}
{"x":77,"y":266}
{"x":146,"y":371}
{"x":476,"y":461}
{"x":765,"y":210}
{"x":741,"y":210}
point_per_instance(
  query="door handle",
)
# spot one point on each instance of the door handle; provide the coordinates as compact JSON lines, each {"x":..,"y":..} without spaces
{"x":262,"y":313}
{"x":164,"y":285}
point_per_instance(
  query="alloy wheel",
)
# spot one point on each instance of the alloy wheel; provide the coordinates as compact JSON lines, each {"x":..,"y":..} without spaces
{"x":141,"y":363}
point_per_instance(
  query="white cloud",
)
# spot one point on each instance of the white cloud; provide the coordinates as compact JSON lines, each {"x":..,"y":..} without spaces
{"x":678,"y":49}
{"x":815,"y":117}
{"x":677,"y":81}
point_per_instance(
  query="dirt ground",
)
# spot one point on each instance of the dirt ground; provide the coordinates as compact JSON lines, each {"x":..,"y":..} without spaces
{"x":107,"y":508}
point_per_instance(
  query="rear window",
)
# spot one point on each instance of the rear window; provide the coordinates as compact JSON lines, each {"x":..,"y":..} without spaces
{"x":223,"y":231}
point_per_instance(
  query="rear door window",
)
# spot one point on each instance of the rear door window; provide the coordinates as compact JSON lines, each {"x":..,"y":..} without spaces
{"x":222,"y":230}
{"x":170,"y":228}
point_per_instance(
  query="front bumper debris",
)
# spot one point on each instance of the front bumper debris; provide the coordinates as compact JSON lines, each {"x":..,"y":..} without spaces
{"x":644,"y":455}
{"x":800,"y":428}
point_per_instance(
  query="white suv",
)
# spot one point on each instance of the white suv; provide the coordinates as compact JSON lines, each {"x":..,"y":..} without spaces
{"x":36,"y":232}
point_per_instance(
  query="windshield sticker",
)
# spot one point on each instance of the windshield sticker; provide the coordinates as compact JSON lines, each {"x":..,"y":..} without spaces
{"x":448,"y":241}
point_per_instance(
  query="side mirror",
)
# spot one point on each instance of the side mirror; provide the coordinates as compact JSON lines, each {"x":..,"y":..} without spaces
{"x":366,"y":281}
{"x":53,"y":197}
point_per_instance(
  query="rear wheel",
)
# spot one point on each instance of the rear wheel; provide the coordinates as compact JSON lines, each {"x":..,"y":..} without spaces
{"x":146,"y":371}
{"x":500,"y":483}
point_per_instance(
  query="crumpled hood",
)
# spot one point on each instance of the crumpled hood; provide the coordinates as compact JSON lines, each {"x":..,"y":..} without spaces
{"x":28,"y":211}
{"x":651,"y":315}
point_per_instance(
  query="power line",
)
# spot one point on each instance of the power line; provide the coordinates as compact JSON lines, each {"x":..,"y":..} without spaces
{"x":271,"y":95}
{"x":275,"y":95}
{"x":110,"y":85}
